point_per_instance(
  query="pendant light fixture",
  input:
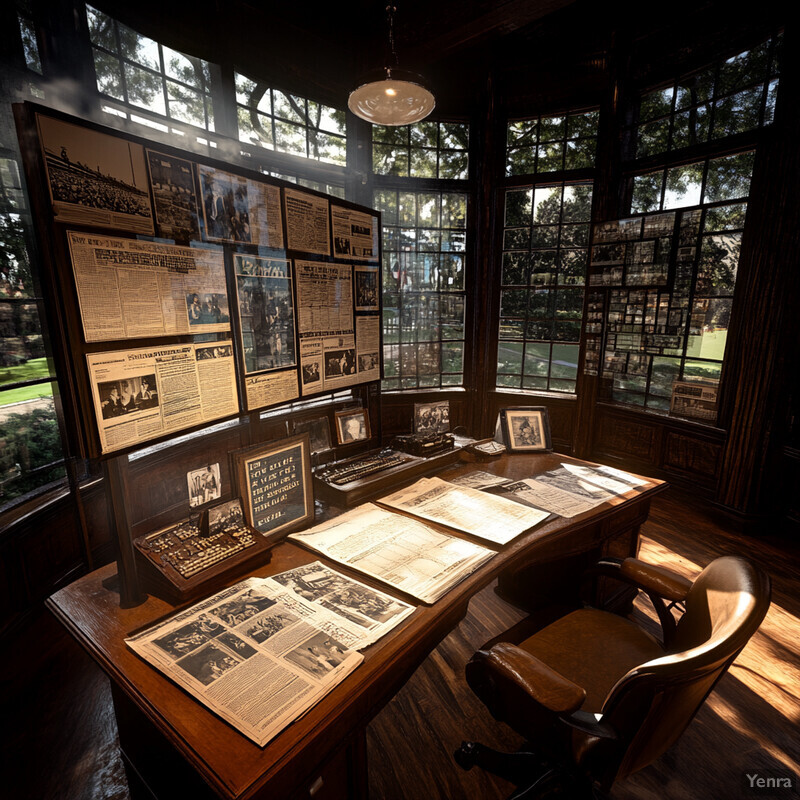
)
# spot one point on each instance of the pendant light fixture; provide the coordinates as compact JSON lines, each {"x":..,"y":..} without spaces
{"x":392,"y":96}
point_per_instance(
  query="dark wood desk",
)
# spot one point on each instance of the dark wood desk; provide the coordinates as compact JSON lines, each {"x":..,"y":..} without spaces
{"x":177,"y":748}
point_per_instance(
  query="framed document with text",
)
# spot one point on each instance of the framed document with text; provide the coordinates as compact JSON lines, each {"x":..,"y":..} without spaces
{"x":274,"y":481}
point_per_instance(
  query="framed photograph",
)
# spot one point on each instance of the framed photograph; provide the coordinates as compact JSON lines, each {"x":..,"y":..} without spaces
{"x":225,"y":517}
{"x":526,"y":429}
{"x":274,"y":481}
{"x":204,"y":485}
{"x":352,"y":425}
{"x":318,"y":430}
{"x":432,"y":417}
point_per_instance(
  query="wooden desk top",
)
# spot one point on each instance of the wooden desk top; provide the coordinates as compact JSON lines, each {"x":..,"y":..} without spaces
{"x":233,"y":765}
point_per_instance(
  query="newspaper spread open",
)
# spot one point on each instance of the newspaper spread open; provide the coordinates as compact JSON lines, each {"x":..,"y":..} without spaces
{"x":142,"y":394}
{"x":129,"y":289}
{"x":494,"y":519}
{"x":572,"y":489}
{"x":403,"y":552}
{"x":261,"y":653}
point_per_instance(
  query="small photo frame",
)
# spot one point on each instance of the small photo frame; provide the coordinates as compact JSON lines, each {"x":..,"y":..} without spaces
{"x":274,"y":481}
{"x":318,"y":430}
{"x":352,"y":425}
{"x":225,"y":517}
{"x":432,"y":417}
{"x":526,"y":429}
{"x":204,"y":485}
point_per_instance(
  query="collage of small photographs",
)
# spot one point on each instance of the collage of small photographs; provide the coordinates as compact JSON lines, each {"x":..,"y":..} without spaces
{"x":167,"y":230}
{"x":640,"y":279}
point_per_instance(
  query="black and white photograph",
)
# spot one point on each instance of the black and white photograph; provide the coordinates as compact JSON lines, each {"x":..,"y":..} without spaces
{"x":311,"y":373}
{"x":339,"y":363}
{"x":266,"y":313}
{"x":204,"y":485}
{"x":318,"y":655}
{"x":319,"y":432}
{"x":96,"y":179}
{"x":226,"y":213}
{"x":352,"y":426}
{"x":174,"y":196}
{"x":218,"y":350}
{"x":123,"y":397}
{"x":225,"y":517}
{"x":311,"y":581}
{"x":367,"y":298}
{"x":242,"y":607}
{"x":367,"y":362}
{"x":185,"y":639}
{"x":205,"y":308}
{"x":432,"y":417}
{"x":364,"y":602}
{"x":267,"y":625}
{"x":239,"y":646}
{"x":526,"y":429}
{"x":208,"y":664}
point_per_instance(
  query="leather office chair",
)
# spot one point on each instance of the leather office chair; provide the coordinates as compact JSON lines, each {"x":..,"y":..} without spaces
{"x":596,"y":696}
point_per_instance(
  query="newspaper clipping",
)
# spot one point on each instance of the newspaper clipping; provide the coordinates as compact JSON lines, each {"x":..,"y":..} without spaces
{"x":306,"y":222}
{"x":493,"y":519}
{"x":143,"y":394}
{"x":236,"y":209}
{"x":129,"y":289}
{"x":270,"y":388}
{"x":261,"y":653}
{"x":95,"y":179}
{"x":403,"y":552}
{"x":355,"y":234}
{"x":368,"y":342}
{"x":325,"y":322}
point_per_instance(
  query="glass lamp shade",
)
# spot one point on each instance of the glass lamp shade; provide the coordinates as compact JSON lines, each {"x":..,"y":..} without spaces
{"x":392,"y":97}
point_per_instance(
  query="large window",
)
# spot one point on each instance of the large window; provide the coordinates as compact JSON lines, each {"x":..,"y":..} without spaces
{"x":424,"y":150}
{"x":552,"y":143}
{"x":424,"y":242}
{"x":732,"y":96}
{"x":288,"y":123}
{"x":545,"y":256}
{"x":143,"y":73}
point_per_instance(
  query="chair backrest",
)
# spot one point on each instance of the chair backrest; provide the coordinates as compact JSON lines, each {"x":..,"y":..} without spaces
{"x":652,"y":704}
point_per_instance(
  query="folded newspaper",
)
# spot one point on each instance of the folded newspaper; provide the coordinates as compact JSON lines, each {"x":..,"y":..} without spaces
{"x":261,"y":653}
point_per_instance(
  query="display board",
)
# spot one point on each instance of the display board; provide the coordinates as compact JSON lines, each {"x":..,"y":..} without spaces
{"x":190,"y":290}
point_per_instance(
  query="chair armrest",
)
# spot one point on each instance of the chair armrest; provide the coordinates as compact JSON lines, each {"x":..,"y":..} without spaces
{"x":655,"y":580}
{"x":513,"y":676}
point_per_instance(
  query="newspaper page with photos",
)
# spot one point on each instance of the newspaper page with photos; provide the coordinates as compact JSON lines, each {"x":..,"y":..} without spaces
{"x":494,"y":519}
{"x":355,"y":234}
{"x":402,"y":552}
{"x":573,"y":489}
{"x":139,"y":395}
{"x":130,"y":289}
{"x":261,"y":653}
{"x":325,"y":323}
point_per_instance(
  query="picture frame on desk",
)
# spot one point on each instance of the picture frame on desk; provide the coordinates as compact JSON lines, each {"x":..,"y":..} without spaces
{"x":526,"y":429}
{"x":352,"y":425}
{"x":274,"y":481}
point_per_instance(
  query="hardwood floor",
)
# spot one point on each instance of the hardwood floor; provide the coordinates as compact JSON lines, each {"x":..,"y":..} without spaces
{"x":59,"y":734}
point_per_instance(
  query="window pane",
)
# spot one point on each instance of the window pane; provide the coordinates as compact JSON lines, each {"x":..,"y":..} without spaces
{"x":145,"y":89}
{"x":729,"y":178}
{"x":109,"y":74}
{"x":683,"y":186}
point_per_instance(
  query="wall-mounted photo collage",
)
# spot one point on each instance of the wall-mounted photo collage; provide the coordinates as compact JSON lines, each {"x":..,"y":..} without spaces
{"x":154,"y":240}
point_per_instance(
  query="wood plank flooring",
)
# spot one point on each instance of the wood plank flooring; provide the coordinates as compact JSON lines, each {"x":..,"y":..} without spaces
{"x":59,"y":735}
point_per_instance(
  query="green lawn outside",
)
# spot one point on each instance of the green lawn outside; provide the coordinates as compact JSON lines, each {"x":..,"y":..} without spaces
{"x":30,"y":371}
{"x":25,"y":393}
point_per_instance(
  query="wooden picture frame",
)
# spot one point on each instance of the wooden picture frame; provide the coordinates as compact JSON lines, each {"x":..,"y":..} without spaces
{"x":526,"y":429}
{"x":352,"y":425}
{"x":432,"y":417}
{"x":274,"y":481}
